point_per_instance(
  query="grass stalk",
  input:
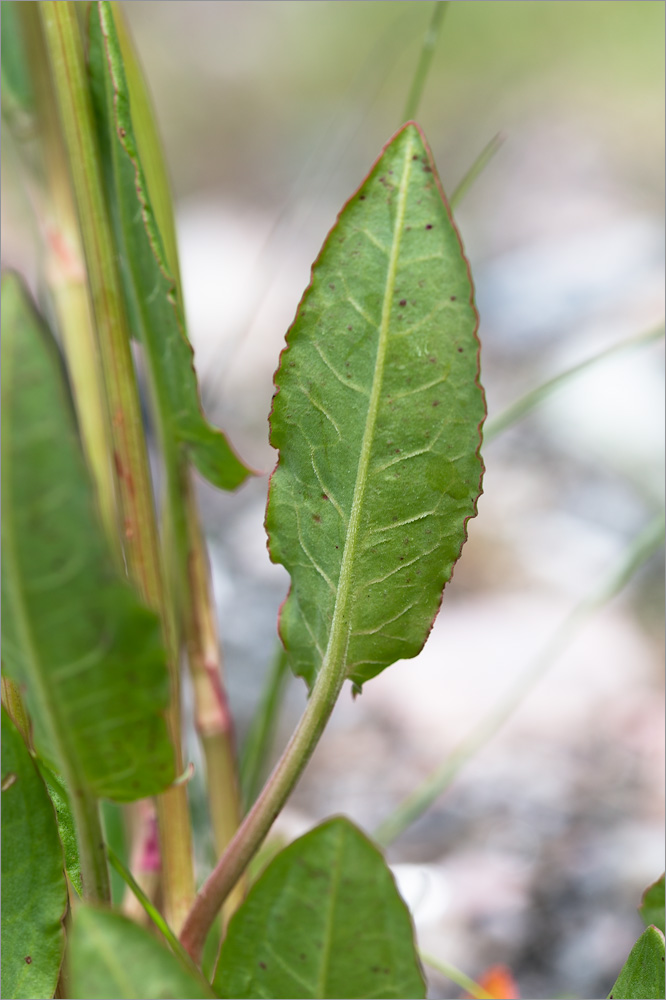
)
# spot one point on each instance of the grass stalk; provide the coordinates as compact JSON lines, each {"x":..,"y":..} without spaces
{"x":647,"y":543}
{"x":516,"y":411}
{"x":456,"y":976}
{"x":425,"y":59}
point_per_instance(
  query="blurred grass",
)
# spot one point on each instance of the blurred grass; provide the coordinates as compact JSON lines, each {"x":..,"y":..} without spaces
{"x":243,"y":90}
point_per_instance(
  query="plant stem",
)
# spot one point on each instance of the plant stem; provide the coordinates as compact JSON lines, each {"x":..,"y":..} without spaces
{"x":65,"y":51}
{"x":516,"y":411}
{"x":425,"y":59}
{"x":212,"y":717}
{"x":456,"y":976}
{"x":263,"y":813}
{"x":641,"y":549}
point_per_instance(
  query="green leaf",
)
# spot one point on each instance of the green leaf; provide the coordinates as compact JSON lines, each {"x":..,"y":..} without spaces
{"x":110,"y":956}
{"x":88,"y":655}
{"x":324,"y":920}
{"x":652,"y":905}
{"x":66,"y":829}
{"x":377,"y":420}
{"x":34,"y":891}
{"x":149,"y":284}
{"x":642,"y":976}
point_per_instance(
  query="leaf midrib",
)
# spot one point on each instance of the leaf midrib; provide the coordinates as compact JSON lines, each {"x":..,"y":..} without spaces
{"x":336,"y":651}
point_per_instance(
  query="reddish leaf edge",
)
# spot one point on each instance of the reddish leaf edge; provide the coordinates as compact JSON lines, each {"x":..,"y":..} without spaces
{"x":357,"y":688}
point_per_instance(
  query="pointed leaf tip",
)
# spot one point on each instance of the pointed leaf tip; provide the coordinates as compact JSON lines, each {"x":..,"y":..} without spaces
{"x":377,"y":419}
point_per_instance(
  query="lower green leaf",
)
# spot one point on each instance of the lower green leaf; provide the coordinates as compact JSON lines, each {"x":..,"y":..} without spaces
{"x":324,"y":920}
{"x":34,"y":891}
{"x":642,"y":976}
{"x":112,"y":957}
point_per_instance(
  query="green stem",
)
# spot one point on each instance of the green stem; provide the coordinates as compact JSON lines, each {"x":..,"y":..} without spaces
{"x":260,"y":736}
{"x":419,"y":801}
{"x":516,"y":411}
{"x":257,"y":823}
{"x":425,"y":59}
{"x":65,"y":50}
{"x":456,"y":976}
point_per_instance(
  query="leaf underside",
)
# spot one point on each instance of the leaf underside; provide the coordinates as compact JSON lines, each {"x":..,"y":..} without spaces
{"x":34,"y":892}
{"x":150,"y":286}
{"x":324,"y":920}
{"x":377,"y":419}
{"x":87,"y":654}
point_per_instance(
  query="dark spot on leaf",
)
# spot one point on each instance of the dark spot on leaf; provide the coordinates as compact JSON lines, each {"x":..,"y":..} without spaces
{"x":262,"y":965}
{"x":396,"y":451}
{"x":460,"y":350}
{"x":432,"y":360}
{"x":332,"y":286}
{"x":324,"y":496}
{"x":349,"y":328}
{"x":122,"y":133}
{"x":316,"y":518}
{"x":403,"y":302}
{"x":414,"y":157}
{"x":28,"y":959}
{"x":453,"y":298}
{"x":401,"y":559}
{"x":302,"y":957}
{"x":435,"y":402}
{"x":361,"y":197}
{"x":408,"y":229}
{"x":429,"y":226}
{"x":427,"y":170}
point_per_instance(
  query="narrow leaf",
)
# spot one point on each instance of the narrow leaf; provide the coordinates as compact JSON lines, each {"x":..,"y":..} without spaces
{"x":652,"y":905}
{"x":75,"y":636}
{"x":149,"y":284}
{"x":110,"y":956}
{"x":324,"y":920}
{"x":65,"y":820}
{"x":642,"y":976}
{"x":34,"y":891}
{"x":377,"y":420}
